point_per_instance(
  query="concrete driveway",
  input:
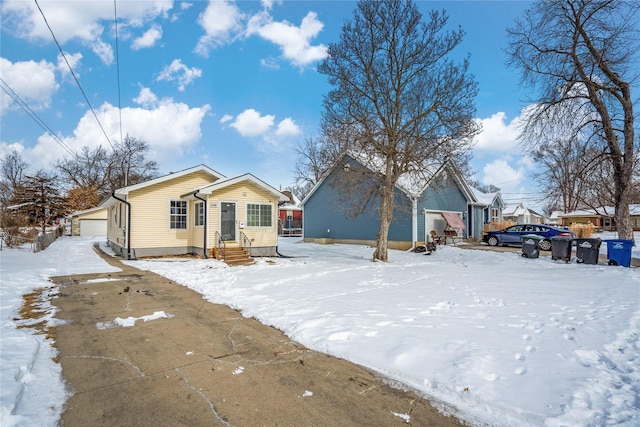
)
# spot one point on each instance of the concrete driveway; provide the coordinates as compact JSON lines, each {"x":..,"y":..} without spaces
{"x":195,"y":363}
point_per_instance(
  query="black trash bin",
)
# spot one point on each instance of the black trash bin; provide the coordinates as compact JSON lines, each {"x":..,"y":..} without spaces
{"x":587,"y":251}
{"x":561,"y":248}
{"x":530,"y":245}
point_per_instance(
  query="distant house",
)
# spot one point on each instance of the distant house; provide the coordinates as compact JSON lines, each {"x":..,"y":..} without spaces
{"x":520,"y":214}
{"x":90,"y":222}
{"x":193,"y":211}
{"x":440,"y":200}
{"x":602,"y":218}
{"x":290,"y":216}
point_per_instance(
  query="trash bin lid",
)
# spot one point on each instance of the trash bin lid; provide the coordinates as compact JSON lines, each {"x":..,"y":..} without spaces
{"x":562,"y":238}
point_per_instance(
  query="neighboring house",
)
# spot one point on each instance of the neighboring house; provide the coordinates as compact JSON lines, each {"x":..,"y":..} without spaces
{"x":442,"y":200}
{"x":602,"y":218}
{"x":192,"y":212}
{"x":90,"y":222}
{"x":290,"y":216}
{"x":520,"y":214}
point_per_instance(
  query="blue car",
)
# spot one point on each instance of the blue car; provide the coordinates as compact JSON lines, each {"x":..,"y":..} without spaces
{"x":513,"y":235}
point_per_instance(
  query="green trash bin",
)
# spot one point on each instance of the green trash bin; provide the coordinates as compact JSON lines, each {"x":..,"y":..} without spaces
{"x":530,"y":245}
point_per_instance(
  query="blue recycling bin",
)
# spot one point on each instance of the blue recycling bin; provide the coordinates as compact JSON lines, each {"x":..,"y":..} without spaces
{"x":619,"y":252}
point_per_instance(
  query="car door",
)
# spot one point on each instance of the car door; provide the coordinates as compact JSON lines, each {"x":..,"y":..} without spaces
{"x":512,"y":235}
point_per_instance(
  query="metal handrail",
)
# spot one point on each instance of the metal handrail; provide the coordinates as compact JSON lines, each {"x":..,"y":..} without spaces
{"x":220,"y":244}
{"x":245,"y":242}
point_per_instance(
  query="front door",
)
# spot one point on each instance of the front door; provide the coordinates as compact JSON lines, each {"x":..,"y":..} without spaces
{"x":228,"y":221}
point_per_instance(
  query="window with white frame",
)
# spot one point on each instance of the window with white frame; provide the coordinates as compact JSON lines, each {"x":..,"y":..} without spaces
{"x":259,"y":215}
{"x":495,"y":215}
{"x":199,"y":214}
{"x":178,"y":214}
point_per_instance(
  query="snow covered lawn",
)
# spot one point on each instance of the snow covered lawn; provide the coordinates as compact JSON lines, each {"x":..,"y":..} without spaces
{"x":503,"y":339}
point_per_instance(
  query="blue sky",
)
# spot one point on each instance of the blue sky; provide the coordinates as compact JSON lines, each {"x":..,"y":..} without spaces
{"x":232,"y":85}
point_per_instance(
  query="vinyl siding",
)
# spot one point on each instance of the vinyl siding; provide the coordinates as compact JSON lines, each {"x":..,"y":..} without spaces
{"x":241,"y":194}
{"x":150,"y":226}
{"x":325,"y":218}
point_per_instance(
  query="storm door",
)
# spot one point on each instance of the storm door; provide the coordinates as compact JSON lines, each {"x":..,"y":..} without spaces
{"x":228,"y":221}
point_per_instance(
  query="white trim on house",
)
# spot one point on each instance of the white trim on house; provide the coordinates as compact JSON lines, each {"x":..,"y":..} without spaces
{"x":200,"y":168}
{"x":210,"y":188}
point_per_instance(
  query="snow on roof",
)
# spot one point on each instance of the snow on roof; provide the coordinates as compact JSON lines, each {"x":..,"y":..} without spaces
{"x":514,"y":209}
{"x":484,"y":198}
{"x":634,"y":209}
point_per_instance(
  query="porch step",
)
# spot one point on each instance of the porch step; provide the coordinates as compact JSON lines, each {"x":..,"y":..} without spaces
{"x":232,"y":256}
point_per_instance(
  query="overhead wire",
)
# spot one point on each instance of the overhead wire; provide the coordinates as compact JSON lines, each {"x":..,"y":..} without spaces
{"x":74,"y":75}
{"x":115,"y":20}
{"x":18,"y":100}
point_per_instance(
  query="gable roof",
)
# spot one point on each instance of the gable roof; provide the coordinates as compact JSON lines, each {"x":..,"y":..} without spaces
{"x":222,"y":183}
{"x":411,"y":184}
{"x":200,"y":168}
{"x":487,"y":199}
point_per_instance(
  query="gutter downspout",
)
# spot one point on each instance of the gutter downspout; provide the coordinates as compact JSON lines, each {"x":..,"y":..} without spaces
{"x":414,"y":223}
{"x":113,"y":194}
{"x":206,"y":221}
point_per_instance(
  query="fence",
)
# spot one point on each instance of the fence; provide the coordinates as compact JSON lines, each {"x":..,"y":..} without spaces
{"x":37,"y":244}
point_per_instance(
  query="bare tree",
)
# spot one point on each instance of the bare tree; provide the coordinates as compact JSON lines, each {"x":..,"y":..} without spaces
{"x":397,"y":100}
{"x":129,"y":163}
{"x":13,"y":169}
{"x":582,"y":56}
{"x":101,"y":172}
{"x":565,"y":171}
{"x":89,"y":170}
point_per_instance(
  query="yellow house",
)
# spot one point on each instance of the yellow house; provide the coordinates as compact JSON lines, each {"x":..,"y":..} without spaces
{"x":194,"y":211}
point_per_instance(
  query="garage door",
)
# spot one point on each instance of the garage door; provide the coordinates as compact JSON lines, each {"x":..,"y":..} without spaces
{"x":434,"y":221}
{"x":93,"y":227}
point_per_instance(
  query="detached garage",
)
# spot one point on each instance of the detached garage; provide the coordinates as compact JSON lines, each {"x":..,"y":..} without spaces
{"x":89,"y":223}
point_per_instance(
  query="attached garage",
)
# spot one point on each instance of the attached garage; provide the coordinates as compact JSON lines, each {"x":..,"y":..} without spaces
{"x":439,"y":221}
{"x":89,"y":223}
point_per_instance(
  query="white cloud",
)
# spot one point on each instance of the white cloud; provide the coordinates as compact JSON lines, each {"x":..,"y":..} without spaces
{"x":226,"y":118}
{"x":179,"y":73}
{"x":294,"y":42}
{"x":146,"y":98}
{"x":170,"y":128}
{"x":81,"y":20}
{"x":74,"y":62}
{"x":511,"y":175}
{"x":34,"y":82}
{"x":220,"y":21}
{"x":497,"y":135}
{"x":251,"y":123}
{"x":287,"y":127}
{"x":148,"y":39}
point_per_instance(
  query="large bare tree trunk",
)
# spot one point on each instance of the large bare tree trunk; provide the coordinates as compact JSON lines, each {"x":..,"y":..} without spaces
{"x":387,"y":205}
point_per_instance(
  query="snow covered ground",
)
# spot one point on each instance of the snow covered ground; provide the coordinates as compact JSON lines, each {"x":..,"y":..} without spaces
{"x":496,"y":338}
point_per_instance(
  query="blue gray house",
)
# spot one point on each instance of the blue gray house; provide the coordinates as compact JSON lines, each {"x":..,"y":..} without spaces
{"x":440,"y":200}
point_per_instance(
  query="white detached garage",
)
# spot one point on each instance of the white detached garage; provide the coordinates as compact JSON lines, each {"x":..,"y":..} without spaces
{"x":89,"y":223}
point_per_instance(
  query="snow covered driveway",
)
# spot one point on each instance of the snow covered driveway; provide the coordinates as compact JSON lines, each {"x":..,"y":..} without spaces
{"x":504,"y":339}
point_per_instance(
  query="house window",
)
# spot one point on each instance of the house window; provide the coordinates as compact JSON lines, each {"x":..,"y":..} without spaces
{"x":495,"y":215}
{"x":199,"y":218}
{"x":259,"y":215}
{"x":178,"y":214}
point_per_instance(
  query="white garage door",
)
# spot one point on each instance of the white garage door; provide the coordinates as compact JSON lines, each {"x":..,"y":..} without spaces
{"x":434,"y":221}
{"x":93,"y":227}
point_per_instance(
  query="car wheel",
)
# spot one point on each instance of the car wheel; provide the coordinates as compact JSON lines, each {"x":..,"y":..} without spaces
{"x":493,"y":241}
{"x":545,"y":245}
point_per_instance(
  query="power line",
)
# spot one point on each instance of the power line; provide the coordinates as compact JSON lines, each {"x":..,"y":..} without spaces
{"x":34,"y":116}
{"x":74,"y":75}
{"x":115,"y":20}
